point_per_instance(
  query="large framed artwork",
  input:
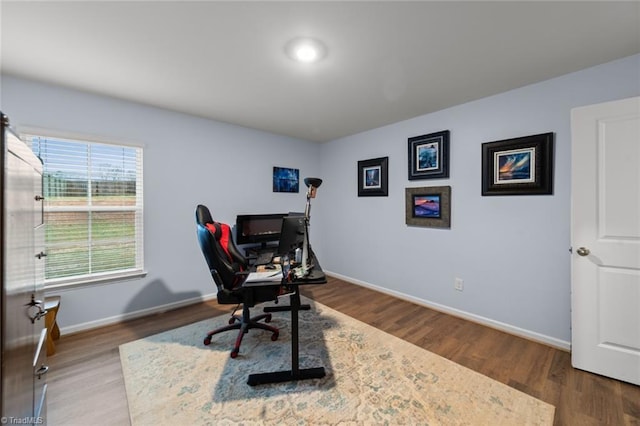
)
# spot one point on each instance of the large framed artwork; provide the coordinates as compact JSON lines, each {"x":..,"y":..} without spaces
{"x":429,"y":156}
{"x":519,"y":166}
{"x":373,"y":177}
{"x":286,"y":179}
{"x":428,"y":206}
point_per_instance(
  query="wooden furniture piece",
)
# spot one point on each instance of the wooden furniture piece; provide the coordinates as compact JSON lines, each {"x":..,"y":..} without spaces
{"x":23,"y":335}
{"x":51,"y":306}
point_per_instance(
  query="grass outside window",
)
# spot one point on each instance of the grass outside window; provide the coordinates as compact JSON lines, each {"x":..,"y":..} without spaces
{"x":93,"y":209}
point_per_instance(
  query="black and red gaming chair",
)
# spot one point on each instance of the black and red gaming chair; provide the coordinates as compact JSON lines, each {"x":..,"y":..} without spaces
{"x":228,"y":268}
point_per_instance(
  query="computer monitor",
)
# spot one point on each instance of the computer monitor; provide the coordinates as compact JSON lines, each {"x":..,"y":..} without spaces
{"x":291,"y":234}
{"x":258,"y":228}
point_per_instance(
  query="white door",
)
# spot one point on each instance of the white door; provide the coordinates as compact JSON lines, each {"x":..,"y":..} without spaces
{"x":605,"y":237}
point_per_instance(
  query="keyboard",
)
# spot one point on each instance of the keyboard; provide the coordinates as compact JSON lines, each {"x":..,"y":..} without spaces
{"x":264,"y":258}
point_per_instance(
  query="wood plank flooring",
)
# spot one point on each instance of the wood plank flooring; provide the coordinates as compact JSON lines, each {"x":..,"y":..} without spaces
{"x":86,"y":386}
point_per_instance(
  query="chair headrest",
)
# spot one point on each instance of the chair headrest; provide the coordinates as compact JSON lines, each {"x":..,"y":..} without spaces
{"x":203,"y":216}
{"x":215,"y":229}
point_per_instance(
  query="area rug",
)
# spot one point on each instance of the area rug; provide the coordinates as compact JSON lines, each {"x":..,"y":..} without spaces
{"x":373,"y":378}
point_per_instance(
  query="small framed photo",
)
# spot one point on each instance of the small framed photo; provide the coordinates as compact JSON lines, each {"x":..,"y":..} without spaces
{"x":373,"y":177}
{"x":286,"y":180}
{"x":429,"y":156}
{"x":428,"y":206}
{"x":519,"y":166}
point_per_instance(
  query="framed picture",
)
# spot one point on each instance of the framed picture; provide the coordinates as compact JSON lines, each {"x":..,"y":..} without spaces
{"x":286,"y":180}
{"x":373,"y":177}
{"x":520,"y":166}
{"x":428,"y":206}
{"x":429,"y":156}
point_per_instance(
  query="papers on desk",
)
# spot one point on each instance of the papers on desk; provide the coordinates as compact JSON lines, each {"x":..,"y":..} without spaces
{"x":266,"y":276}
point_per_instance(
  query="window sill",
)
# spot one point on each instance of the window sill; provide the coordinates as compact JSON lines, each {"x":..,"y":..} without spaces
{"x":80,"y":282}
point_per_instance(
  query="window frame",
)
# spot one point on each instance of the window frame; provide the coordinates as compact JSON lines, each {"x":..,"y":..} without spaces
{"x":99,"y":278}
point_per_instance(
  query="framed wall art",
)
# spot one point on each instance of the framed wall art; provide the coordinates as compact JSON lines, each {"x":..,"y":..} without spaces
{"x":286,"y":180}
{"x":519,"y":166}
{"x":428,"y":206}
{"x":429,"y":156}
{"x":373,"y":177}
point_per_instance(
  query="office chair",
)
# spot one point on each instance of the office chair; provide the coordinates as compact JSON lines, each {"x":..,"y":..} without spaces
{"x":227,"y":265}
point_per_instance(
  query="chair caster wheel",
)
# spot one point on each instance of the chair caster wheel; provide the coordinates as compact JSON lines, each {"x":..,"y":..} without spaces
{"x":232,"y":320}
{"x":274,"y":337}
{"x":207,"y":341}
{"x":234,"y":353}
{"x":267,"y":318}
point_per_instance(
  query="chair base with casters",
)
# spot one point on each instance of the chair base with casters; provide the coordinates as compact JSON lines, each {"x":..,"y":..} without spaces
{"x":244,"y":323}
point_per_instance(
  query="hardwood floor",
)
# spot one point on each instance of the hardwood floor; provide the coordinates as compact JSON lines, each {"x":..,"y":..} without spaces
{"x":86,"y":384}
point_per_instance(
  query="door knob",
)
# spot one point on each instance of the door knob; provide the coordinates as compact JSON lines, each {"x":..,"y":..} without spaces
{"x":583,"y":251}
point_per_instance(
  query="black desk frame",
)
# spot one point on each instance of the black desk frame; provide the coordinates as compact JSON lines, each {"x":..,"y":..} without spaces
{"x":268,"y":309}
{"x":296,"y":373}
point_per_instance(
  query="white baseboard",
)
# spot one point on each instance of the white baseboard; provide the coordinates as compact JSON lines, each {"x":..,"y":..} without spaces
{"x":507,"y":328}
{"x":136,"y":314}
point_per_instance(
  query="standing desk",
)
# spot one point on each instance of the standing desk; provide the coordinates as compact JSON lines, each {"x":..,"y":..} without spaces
{"x":315,"y":276}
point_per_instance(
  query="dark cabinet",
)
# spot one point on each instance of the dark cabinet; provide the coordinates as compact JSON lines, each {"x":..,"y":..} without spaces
{"x":23,"y":365}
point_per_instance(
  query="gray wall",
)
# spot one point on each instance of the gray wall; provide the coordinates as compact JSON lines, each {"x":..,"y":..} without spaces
{"x":512,"y":252}
{"x":187,"y":161}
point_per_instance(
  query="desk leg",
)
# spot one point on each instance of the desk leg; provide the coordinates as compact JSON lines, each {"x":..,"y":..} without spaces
{"x":295,"y":373}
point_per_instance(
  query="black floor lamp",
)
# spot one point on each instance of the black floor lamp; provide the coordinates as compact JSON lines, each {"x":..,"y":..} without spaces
{"x":312,"y":184}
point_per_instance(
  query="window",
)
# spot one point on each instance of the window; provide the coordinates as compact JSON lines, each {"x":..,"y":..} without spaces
{"x":93,"y":210}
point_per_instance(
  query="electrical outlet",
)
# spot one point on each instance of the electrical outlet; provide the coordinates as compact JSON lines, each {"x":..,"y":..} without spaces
{"x":458,"y":284}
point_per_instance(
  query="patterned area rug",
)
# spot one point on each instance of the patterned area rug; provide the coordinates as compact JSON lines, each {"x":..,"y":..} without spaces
{"x":372,"y":378}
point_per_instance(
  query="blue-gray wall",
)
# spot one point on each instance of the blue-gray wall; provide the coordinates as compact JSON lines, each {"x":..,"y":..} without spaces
{"x":187,"y":161}
{"x":511,"y":252}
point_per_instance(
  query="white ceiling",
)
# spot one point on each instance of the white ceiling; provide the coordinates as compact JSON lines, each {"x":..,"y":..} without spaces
{"x":387,"y":61}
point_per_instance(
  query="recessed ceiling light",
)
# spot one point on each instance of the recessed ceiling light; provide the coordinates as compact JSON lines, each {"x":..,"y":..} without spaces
{"x":306,"y":50}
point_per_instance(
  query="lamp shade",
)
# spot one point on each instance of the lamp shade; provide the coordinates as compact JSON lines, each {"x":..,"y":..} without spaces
{"x":311,"y":181}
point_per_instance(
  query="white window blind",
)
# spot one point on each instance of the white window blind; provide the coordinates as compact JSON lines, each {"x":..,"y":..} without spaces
{"x":93,"y":210}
